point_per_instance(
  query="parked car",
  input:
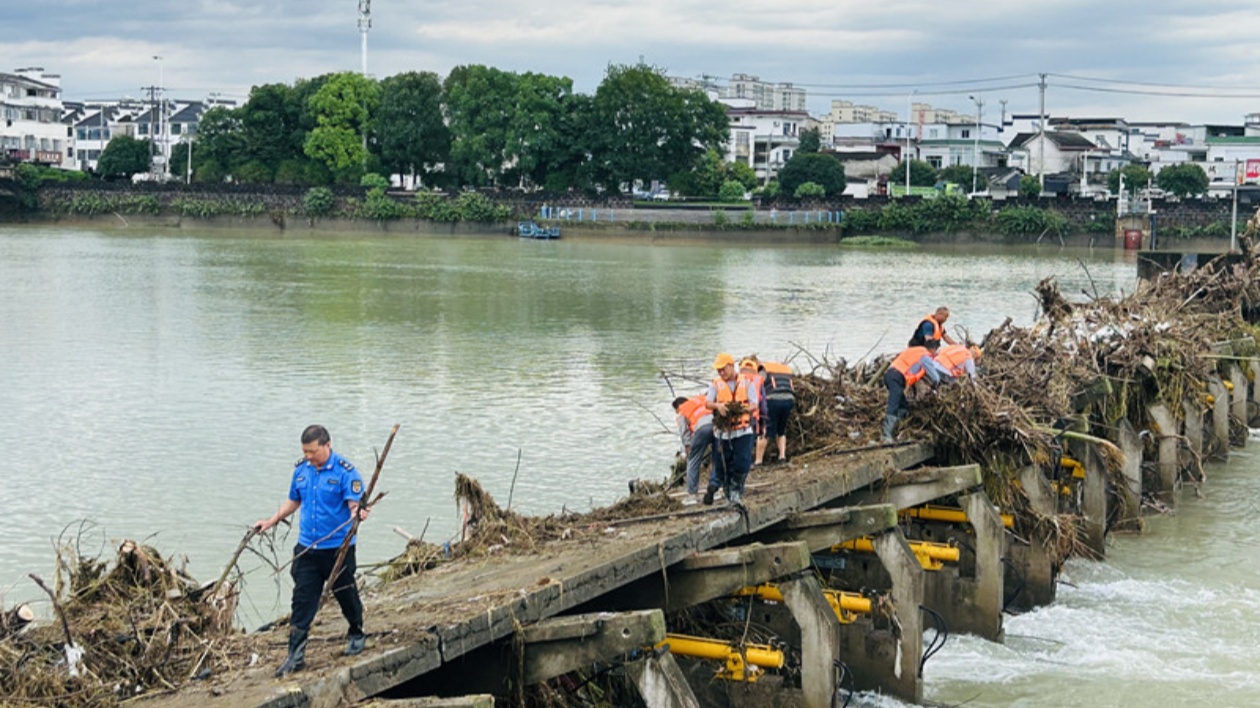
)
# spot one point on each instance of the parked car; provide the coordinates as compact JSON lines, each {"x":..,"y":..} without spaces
{"x":661,"y":196}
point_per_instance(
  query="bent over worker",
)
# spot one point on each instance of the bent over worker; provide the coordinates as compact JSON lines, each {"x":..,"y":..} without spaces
{"x":695,"y":428}
{"x":328,"y":490}
{"x":905,"y":371}
{"x":732,"y":398}
{"x":959,"y":360}
{"x":932,"y":327}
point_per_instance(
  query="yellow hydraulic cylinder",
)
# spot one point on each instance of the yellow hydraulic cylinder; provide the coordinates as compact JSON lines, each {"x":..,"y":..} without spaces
{"x":740,"y":664}
{"x":929,"y":512}
{"x":1229,"y":385}
{"x":930,"y":554}
{"x":1078,"y":470}
{"x":844,"y":604}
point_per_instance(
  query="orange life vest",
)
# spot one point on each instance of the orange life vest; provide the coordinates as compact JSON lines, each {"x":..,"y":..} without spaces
{"x":908,"y":359}
{"x":938,"y":332}
{"x":778,"y":378}
{"x":757,"y":382}
{"x":953,"y":358}
{"x":740,"y":394}
{"x":695,"y":410}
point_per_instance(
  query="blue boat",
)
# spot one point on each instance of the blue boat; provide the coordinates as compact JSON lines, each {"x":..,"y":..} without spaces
{"x":528,"y":229}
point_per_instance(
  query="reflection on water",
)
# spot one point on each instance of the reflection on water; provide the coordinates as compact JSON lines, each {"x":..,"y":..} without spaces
{"x":157,"y":383}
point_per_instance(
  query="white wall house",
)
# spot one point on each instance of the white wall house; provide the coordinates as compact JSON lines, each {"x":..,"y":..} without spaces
{"x":765,"y":140}
{"x":947,"y":144}
{"x":30,"y":118}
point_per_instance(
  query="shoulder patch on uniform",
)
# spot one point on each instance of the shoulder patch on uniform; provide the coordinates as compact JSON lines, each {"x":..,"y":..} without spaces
{"x":345,"y":463}
{"x":357,"y":486}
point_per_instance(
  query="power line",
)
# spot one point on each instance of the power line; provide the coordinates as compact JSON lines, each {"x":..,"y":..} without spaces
{"x":1153,"y":83}
{"x":961,"y":82}
{"x":1170,"y":94}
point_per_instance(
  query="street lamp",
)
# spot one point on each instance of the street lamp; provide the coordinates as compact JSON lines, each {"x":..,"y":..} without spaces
{"x":975,"y":151}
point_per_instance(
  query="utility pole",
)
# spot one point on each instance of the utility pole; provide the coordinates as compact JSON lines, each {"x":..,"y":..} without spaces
{"x":365,"y":24}
{"x":1041,"y":168}
{"x":975,"y":151}
{"x":152,"y":110}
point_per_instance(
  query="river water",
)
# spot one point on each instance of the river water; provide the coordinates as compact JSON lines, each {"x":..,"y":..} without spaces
{"x":155,"y":384}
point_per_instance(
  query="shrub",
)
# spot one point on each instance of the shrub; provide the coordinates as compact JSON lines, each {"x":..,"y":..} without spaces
{"x":731,"y":191}
{"x":1029,"y":221}
{"x":373,"y":180}
{"x":720,"y":219}
{"x":809,"y":189}
{"x":319,"y":201}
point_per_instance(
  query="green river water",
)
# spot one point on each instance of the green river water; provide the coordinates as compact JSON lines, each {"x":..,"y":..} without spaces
{"x":155,"y":383}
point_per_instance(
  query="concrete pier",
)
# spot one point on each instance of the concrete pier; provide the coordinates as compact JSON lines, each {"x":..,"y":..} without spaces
{"x":1167,"y":478}
{"x":1128,"y":513}
{"x":1032,"y":582}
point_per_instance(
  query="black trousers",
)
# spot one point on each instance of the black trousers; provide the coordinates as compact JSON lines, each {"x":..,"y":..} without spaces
{"x":310,"y":571}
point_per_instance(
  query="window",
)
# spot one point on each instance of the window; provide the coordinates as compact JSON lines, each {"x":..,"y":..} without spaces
{"x":935,"y":161}
{"x":175,"y":131}
{"x":83,"y":136}
{"x":30,"y":92}
{"x":966,"y":133}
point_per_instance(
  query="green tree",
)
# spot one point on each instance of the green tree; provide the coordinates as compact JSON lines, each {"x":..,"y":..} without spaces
{"x":343,"y":109}
{"x":811,"y":140}
{"x":731,"y":191}
{"x":411,"y":134}
{"x":922,"y":174}
{"x":1135,"y":177}
{"x":1029,"y":186}
{"x":535,"y":141}
{"x":824,"y":170}
{"x":124,"y":156}
{"x":269,"y":126}
{"x":809,"y":189}
{"x":1184,"y":180}
{"x":179,"y":160}
{"x":958,"y":174}
{"x":479,"y":104}
{"x":642,"y":128}
{"x":220,"y":142}
{"x":743,"y":173}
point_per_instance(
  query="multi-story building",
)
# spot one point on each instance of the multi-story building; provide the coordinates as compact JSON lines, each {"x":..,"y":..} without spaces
{"x":763,"y":140}
{"x":765,"y":95}
{"x":95,"y":123}
{"x":30,"y":118}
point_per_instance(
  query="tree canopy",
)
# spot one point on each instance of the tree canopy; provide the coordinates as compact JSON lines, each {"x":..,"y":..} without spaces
{"x":1135,"y":177}
{"x":480,"y":126}
{"x":1184,"y":180}
{"x":125,"y":156}
{"x":823,"y":170}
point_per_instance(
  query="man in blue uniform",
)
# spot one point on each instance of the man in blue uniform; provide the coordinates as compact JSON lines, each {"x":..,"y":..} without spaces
{"x":328,"y":489}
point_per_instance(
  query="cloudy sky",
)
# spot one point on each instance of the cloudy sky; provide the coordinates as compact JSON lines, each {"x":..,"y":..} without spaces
{"x":1197,"y":61}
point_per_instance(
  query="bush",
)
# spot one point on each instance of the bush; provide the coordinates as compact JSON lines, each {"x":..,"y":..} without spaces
{"x":861,"y":220}
{"x":731,"y":191}
{"x":1030,"y":221}
{"x":748,"y":219}
{"x":474,"y":206}
{"x":809,"y":189}
{"x":373,"y":180}
{"x":253,"y":172}
{"x":380,"y":207}
{"x":319,"y":201}
{"x":720,"y":219}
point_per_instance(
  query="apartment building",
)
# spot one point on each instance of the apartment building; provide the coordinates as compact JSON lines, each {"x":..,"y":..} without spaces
{"x":30,"y":118}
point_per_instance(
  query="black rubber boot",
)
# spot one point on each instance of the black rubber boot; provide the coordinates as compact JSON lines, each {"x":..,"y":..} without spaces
{"x":296,"y":660}
{"x":890,"y":424}
{"x":355,"y":643}
{"x":708,"y":495}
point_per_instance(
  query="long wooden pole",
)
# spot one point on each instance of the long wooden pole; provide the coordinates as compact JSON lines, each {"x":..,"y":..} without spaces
{"x":365,"y":501}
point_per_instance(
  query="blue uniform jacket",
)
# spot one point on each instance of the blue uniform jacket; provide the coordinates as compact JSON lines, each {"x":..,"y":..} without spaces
{"x":324,"y":493}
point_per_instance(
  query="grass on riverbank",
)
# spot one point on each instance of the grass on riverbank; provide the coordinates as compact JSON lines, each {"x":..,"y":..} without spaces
{"x":878,"y":242}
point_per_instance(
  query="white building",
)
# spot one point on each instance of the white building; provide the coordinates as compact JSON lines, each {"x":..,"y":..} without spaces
{"x":30,"y":118}
{"x":763,"y":140}
{"x":765,"y":95}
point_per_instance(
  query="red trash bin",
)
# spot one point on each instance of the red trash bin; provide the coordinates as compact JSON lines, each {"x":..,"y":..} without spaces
{"x":1132,"y":239}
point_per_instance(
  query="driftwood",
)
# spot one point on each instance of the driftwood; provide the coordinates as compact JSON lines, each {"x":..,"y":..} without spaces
{"x":14,"y":620}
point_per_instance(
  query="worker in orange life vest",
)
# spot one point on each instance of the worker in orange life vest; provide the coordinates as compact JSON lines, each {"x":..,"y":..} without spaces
{"x":749,"y":369}
{"x":932,"y":327}
{"x":732,"y":400}
{"x":905,"y":371}
{"x":959,"y":359}
{"x":695,"y":427}
{"x":780,"y":400}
